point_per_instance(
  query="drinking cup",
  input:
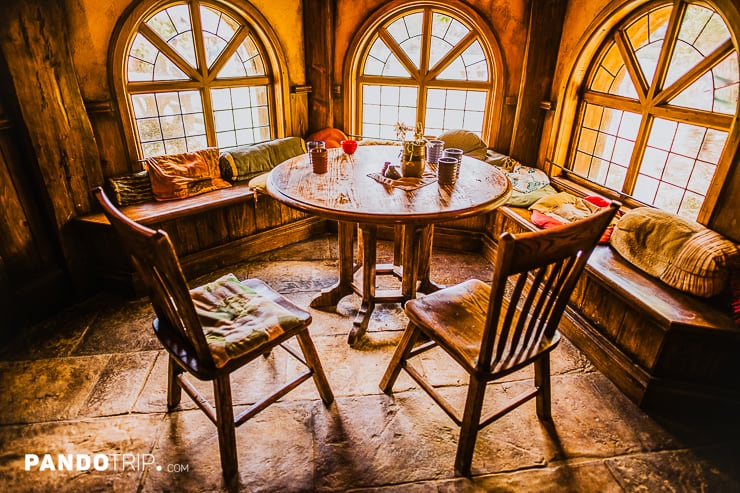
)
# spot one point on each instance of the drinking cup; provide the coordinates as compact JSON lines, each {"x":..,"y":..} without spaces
{"x":319,"y":160}
{"x":349,"y":146}
{"x":447,"y":168}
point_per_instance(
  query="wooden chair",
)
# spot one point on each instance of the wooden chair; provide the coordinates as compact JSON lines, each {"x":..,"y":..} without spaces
{"x":184,"y":316}
{"x":494,"y":330}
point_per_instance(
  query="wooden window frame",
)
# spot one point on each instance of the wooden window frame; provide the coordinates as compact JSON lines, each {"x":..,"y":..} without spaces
{"x":276,"y":77}
{"x":575,"y":93}
{"x":421,"y":78}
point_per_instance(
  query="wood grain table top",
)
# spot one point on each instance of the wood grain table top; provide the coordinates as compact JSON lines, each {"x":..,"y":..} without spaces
{"x":346,"y":192}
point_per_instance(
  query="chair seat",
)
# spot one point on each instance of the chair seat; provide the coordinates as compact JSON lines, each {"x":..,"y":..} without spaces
{"x":455,"y":318}
{"x":239,"y":318}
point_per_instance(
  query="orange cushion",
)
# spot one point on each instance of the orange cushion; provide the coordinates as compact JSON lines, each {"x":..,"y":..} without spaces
{"x":332,"y":137}
{"x":176,"y":176}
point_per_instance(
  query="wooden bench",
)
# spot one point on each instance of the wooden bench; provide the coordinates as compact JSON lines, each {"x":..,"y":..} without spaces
{"x":209,"y":231}
{"x":665,"y":349}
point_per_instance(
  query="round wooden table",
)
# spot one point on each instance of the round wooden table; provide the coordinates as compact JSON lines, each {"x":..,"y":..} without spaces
{"x":348,"y":194}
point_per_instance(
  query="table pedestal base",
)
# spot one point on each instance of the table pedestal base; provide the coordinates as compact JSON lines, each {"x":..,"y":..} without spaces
{"x":412,"y":243}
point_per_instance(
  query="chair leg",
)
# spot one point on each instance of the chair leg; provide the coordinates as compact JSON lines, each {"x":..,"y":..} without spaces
{"x":399,"y":358}
{"x":542,"y":382}
{"x":312,"y":358}
{"x":225,"y":427}
{"x":174,"y":392}
{"x":469,"y":428}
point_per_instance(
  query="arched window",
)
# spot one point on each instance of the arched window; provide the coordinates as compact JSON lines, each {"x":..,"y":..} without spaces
{"x":424,"y":63}
{"x":192,"y":74}
{"x":659,"y":101}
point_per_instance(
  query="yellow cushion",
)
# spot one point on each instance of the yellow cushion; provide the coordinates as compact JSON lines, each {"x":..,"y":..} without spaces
{"x":682,"y":253}
{"x":470,"y":143}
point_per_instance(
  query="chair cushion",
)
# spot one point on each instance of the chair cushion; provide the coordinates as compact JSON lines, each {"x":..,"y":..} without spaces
{"x":177,"y":176}
{"x":682,"y":253}
{"x":244,"y":163}
{"x":470,"y":143}
{"x":237,"y":319}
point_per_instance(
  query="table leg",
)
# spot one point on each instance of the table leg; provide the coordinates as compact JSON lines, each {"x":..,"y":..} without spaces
{"x":412,"y":235}
{"x":425,"y":259}
{"x":369,"y":234}
{"x":343,"y":287}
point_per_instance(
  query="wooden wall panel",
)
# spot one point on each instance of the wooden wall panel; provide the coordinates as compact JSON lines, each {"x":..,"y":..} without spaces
{"x":35,"y":48}
{"x":30,"y":258}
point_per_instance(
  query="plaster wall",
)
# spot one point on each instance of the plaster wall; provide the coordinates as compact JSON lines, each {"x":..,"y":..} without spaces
{"x":91,"y":25}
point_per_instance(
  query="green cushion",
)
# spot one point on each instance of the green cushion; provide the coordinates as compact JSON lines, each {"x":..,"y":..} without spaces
{"x":244,"y":163}
{"x":520,"y":199}
{"x":236,"y":319}
{"x":131,"y":189}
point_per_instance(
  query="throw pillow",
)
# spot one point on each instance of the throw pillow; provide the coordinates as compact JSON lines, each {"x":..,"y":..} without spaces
{"x":130,"y":189}
{"x":331,"y":136}
{"x":682,"y":253}
{"x":244,"y":163}
{"x":470,"y":143}
{"x":177,"y":176}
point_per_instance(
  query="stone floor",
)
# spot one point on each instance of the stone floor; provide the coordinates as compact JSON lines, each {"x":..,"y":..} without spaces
{"x":91,"y":382}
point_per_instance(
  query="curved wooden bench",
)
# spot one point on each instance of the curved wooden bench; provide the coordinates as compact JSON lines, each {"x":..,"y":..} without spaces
{"x":209,"y":231}
{"x":665,"y":349}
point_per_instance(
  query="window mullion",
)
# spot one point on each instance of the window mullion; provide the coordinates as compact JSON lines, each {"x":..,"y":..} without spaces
{"x":168,"y":51}
{"x":632,"y":65}
{"x":612,"y":101}
{"x":633,"y":171}
{"x":200,"y":50}
{"x":456,"y":51}
{"x":695,"y":73}
{"x":226,"y":53}
{"x":200,"y":56}
{"x":426,"y":41}
{"x":666,"y":52}
{"x":399,"y":53}
{"x":717,"y":121}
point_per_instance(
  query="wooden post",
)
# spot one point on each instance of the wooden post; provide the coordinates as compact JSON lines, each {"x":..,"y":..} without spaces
{"x":34,"y":43}
{"x":318,"y":29}
{"x":543,"y":42}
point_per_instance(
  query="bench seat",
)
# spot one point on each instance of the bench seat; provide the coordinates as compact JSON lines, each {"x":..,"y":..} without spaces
{"x":663,"y":348}
{"x":209,"y":231}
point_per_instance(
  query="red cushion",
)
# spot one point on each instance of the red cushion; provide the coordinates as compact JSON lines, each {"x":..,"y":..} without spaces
{"x":596,"y":200}
{"x":544,"y":221}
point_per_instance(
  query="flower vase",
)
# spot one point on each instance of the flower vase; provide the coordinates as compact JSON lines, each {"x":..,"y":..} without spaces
{"x":413,"y":159}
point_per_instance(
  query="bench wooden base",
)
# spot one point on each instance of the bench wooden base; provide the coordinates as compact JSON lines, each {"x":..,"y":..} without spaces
{"x":665,"y":349}
{"x":209,"y":231}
